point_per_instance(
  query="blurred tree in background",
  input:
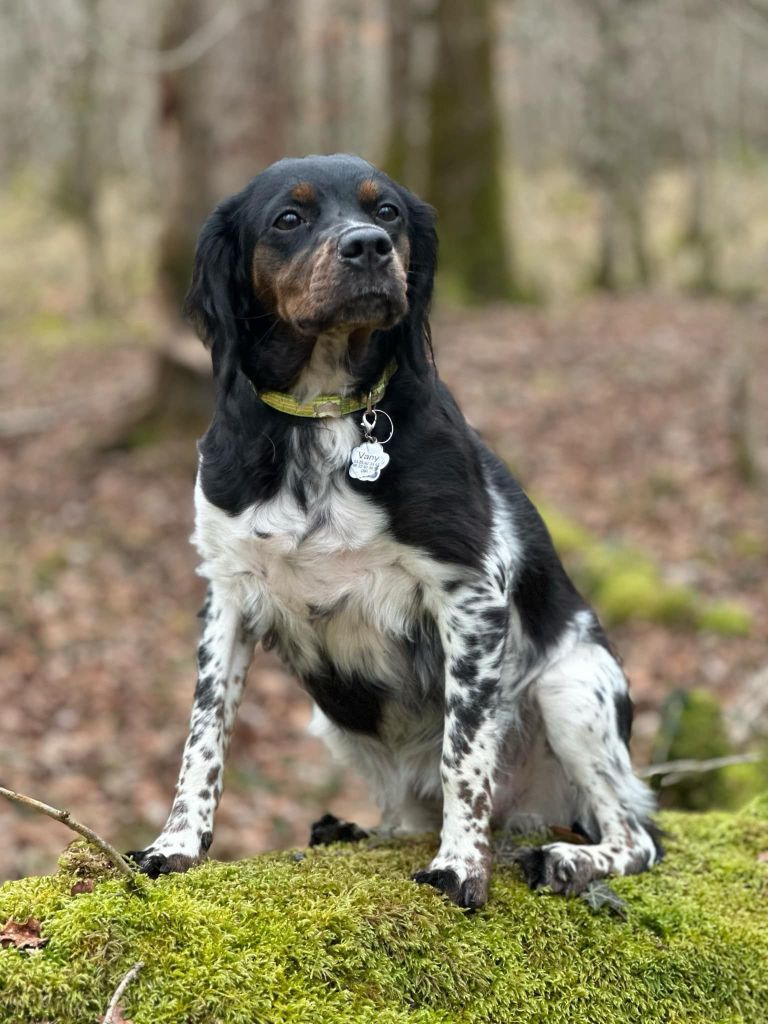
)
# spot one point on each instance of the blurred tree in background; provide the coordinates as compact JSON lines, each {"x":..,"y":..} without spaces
{"x":647,"y":119}
{"x":80,"y":175}
{"x":465,"y":153}
{"x":186,"y":140}
{"x":616,"y":153}
{"x":218,"y":120}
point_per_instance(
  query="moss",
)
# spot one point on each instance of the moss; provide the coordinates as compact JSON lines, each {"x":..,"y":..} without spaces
{"x":744,"y":780}
{"x":692,"y":726}
{"x":638,"y":593}
{"x":341,"y":934}
{"x":625,"y":584}
{"x":747,"y":544}
{"x":81,"y":860}
{"x":569,"y":537}
{"x":726,"y":617}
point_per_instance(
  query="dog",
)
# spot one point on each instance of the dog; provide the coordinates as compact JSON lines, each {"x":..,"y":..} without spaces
{"x":348,"y":516}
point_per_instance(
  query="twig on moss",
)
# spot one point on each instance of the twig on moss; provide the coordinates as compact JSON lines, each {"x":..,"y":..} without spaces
{"x":65,"y":818}
{"x":127,"y":979}
{"x":672,"y":770}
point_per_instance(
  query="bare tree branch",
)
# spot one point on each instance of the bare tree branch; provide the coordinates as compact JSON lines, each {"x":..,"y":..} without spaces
{"x":673,"y":770}
{"x":750,"y":15}
{"x":122,"y":865}
{"x":129,"y":976}
{"x":198,"y":43}
{"x":759,"y":7}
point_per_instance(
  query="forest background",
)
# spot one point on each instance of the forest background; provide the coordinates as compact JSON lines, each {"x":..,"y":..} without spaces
{"x":600,"y":170}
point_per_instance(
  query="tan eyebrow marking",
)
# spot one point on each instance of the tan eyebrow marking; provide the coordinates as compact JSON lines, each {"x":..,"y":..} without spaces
{"x":304,"y":192}
{"x":368,"y":192}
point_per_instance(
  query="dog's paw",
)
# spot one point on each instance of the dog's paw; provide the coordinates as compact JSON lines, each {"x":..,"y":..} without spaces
{"x":471,"y":893}
{"x":561,"y":867}
{"x":330,"y":829}
{"x":156,"y":864}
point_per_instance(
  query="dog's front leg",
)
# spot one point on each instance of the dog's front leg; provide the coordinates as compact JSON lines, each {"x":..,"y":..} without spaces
{"x":223,"y":657}
{"x":473,"y":631}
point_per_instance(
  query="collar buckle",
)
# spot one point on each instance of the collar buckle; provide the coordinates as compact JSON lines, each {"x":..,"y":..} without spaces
{"x":326,"y":408}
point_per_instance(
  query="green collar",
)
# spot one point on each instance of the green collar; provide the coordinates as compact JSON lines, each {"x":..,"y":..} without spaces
{"x":329,"y":405}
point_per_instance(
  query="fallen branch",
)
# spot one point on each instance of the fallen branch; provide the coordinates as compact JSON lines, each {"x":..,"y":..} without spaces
{"x":675,"y":769}
{"x":130,"y":975}
{"x":116,"y":858}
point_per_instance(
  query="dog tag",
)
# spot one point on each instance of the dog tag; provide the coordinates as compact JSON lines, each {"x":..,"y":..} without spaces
{"x":368,"y":460}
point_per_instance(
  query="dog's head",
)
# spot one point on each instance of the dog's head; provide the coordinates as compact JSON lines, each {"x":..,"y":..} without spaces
{"x":310,"y":246}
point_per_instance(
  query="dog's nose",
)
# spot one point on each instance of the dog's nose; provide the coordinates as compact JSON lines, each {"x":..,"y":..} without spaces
{"x":366,"y":247}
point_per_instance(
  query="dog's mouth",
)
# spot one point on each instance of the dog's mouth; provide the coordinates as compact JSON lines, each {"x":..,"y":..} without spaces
{"x":374,"y":308}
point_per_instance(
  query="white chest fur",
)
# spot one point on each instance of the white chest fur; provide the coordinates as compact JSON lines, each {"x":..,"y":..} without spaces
{"x":326,"y":575}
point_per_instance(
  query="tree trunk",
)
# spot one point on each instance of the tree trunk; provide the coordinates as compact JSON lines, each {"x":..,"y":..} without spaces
{"x":699,"y":233}
{"x":332,"y":83}
{"x":741,"y":409}
{"x":615,"y":157}
{"x":223,"y":118}
{"x":400,"y":86}
{"x":187,"y":141}
{"x":606,"y":274}
{"x":255,"y":101}
{"x":80,"y":188}
{"x":464,"y":166}
{"x":634,"y":208}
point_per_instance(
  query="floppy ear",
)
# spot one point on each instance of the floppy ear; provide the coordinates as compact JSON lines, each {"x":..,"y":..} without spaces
{"x":422,"y":264}
{"x":221,"y":303}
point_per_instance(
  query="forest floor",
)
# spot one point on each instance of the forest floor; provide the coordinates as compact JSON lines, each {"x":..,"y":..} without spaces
{"x":612,"y":412}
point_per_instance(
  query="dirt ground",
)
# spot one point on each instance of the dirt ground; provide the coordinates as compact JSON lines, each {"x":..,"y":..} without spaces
{"x":614,"y":412}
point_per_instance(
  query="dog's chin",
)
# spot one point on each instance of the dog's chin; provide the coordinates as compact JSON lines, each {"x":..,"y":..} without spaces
{"x":360,"y":314}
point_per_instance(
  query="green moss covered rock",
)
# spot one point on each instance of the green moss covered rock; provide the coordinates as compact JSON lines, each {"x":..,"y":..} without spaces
{"x":341,"y":935}
{"x":693,"y":728}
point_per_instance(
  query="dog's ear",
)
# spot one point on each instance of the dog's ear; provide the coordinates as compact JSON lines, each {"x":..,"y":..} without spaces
{"x":422,"y":265}
{"x":221,"y":303}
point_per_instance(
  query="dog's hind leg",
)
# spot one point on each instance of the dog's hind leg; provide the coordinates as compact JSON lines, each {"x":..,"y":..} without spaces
{"x":223,"y":656}
{"x":586,"y":715}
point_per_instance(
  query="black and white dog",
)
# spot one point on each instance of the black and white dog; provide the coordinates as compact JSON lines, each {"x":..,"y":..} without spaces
{"x":348,"y":516}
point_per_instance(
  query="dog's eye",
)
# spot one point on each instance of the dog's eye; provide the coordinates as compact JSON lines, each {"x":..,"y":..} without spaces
{"x":387,"y":212}
{"x":288,"y":221}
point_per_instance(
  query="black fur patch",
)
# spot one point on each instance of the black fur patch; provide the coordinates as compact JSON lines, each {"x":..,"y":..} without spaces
{"x":532,"y":861}
{"x":624,"y":715}
{"x":330,"y":829}
{"x":350,"y":701}
{"x":446,"y":881}
{"x":471,"y":894}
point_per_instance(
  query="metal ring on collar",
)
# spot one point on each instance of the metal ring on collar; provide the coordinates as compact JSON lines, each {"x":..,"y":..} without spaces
{"x":368,"y":425}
